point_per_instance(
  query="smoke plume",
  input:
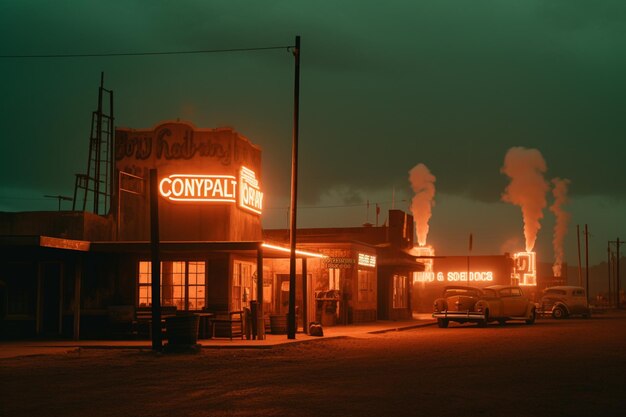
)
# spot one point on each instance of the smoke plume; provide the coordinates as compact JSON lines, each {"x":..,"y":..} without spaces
{"x":527,"y":188}
{"x":559,"y":191}
{"x":423,"y":185}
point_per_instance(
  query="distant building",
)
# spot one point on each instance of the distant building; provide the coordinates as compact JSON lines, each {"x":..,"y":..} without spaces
{"x":368,"y":269}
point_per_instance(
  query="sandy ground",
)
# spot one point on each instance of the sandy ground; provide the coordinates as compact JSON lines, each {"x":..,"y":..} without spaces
{"x":554,"y":368}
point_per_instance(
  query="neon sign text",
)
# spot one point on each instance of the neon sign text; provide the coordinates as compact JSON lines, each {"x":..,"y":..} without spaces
{"x":250,"y":195}
{"x":525,"y":268}
{"x":213,"y":188}
{"x":477,"y":276}
{"x":367,"y":260}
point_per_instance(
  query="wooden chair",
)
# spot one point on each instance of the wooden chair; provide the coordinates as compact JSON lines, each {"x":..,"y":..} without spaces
{"x":228,"y":325}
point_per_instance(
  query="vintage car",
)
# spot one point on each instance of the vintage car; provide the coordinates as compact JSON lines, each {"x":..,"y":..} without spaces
{"x":495,"y":303}
{"x":564,"y":301}
{"x":456,"y":304}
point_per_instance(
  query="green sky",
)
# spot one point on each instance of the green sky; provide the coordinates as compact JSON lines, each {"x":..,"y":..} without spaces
{"x":385,"y":85}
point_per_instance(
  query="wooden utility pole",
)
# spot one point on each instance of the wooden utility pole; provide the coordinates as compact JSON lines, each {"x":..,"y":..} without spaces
{"x":617,"y":275}
{"x":587,"y":260}
{"x":157,"y":340}
{"x":291,"y":316}
{"x":580,"y":275}
{"x":608,"y":263}
{"x":260,"y":329}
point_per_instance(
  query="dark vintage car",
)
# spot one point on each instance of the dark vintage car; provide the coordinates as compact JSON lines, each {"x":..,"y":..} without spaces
{"x":456,"y":304}
{"x":564,"y":301}
{"x":495,"y":303}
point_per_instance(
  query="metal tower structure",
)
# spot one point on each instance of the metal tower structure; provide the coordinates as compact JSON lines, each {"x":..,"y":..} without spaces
{"x":97,"y":184}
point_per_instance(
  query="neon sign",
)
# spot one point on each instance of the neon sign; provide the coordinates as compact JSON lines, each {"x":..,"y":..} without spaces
{"x":454,"y":276}
{"x":525,"y":271}
{"x":215,"y":189}
{"x":211,"y":188}
{"x":367,"y":260}
{"x":250,"y":195}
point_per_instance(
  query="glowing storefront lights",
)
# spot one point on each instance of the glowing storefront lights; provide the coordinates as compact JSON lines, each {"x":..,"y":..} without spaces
{"x":298,"y":251}
{"x":215,"y":189}
{"x":250,"y":195}
{"x":209,"y":188}
{"x":454,"y":276}
{"x":525,"y":271}
{"x":367,"y":260}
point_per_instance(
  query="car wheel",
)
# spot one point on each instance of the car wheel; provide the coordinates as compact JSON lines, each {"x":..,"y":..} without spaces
{"x":559,"y":313}
{"x":533,"y":317}
{"x":443,"y":323}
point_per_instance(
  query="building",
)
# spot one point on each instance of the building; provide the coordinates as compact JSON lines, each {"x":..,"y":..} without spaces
{"x":368,"y":270}
{"x":68,"y":273}
{"x":75,"y":273}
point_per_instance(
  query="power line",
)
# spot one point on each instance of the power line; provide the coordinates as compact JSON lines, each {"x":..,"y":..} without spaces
{"x":113,"y":54}
{"x":332,"y":206}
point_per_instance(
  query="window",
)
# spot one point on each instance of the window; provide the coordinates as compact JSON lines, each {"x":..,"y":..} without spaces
{"x":196,"y":285}
{"x":183,"y":284}
{"x":516,"y":292}
{"x":366,"y":286}
{"x":333,"y":278}
{"x":400,"y":299}
{"x":506,"y":292}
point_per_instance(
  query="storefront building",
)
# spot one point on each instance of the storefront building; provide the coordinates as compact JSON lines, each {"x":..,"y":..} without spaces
{"x":77,"y":274}
{"x":72,"y":273}
{"x":367,"y":272}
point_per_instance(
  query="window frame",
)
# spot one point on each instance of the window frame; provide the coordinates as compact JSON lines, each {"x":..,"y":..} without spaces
{"x":143,"y":297}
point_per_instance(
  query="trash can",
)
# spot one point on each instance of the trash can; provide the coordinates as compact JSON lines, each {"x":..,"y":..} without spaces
{"x":182,"y":329}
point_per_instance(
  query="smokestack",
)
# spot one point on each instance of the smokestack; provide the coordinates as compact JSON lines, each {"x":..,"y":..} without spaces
{"x":423,"y":185}
{"x":527,"y":188}
{"x":559,"y":191}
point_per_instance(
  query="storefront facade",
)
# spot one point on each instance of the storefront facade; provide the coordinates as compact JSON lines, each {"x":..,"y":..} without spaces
{"x":367,"y":272}
{"x":70,"y":274}
{"x":210,"y":202}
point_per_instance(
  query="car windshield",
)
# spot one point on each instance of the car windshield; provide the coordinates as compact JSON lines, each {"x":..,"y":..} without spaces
{"x":469,"y":292}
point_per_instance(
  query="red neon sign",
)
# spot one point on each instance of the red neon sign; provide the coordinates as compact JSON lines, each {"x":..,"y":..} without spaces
{"x":215,"y":189}
{"x":250,"y":195}
{"x":210,"y":188}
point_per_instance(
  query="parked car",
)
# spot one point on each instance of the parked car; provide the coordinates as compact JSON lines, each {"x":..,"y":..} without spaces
{"x":494,"y":303}
{"x":456,"y":304}
{"x":564,"y":301}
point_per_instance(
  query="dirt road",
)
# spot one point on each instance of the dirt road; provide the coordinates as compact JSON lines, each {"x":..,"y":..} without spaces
{"x":553,"y":368}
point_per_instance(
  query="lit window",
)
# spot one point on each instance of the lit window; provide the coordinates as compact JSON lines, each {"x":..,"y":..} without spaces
{"x":183,"y":284}
{"x":333,"y":278}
